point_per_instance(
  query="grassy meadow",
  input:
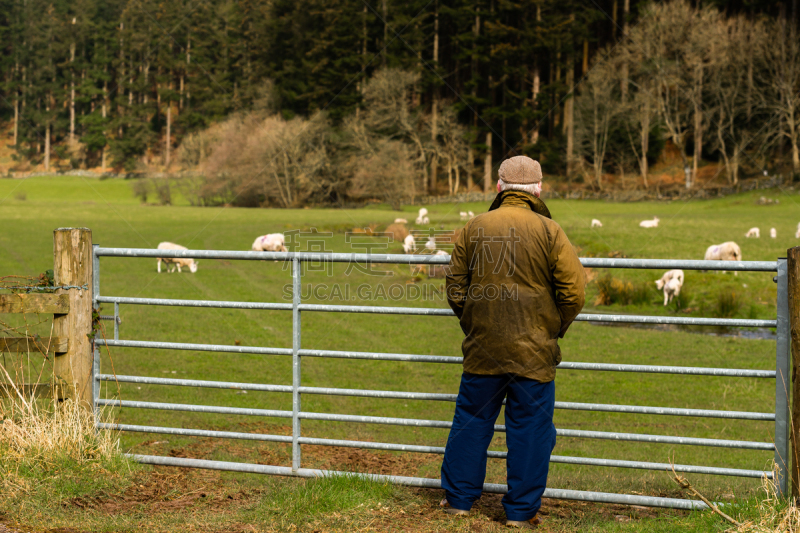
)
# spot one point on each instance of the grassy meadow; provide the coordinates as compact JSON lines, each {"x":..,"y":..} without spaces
{"x":31,"y":209}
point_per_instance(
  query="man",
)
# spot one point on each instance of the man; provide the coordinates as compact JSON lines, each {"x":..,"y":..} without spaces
{"x":516,"y":285}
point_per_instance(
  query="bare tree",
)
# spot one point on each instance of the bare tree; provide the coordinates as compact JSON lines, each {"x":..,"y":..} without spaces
{"x":783,"y":81}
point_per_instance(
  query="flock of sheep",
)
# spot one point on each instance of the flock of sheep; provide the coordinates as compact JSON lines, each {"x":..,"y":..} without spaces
{"x":672,"y":281}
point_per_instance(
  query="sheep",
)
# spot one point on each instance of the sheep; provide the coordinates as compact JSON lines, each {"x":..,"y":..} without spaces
{"x":423,"y":220}
{"x":649,"y":223}
{"x":472,"y":215}
{"x":397,"y":232}
{"x":431,"y":244}
{"x":422,"y":212}
{"x":400,"y":221}
{"x":727,"y":251}
{"x":463,"y":215}
{"x":671,"y":283}
{"x":773,"y":233}
{"x":438,"y":271}
{"x":797,"y":233}
{"x":596,"y":223}
{"x":408,"y":244}
{"x":173,"y":262}
{"x":272,"y":242}
{"x":422,"y":217}
{"x":753,"y":232}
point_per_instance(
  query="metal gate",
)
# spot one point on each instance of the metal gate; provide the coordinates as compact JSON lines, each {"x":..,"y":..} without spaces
{"x":780,"y":447}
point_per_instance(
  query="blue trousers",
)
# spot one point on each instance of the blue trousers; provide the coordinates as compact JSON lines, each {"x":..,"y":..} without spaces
{"x":530,"y":437}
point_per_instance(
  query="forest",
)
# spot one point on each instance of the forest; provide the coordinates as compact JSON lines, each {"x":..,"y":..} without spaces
{"x":290,"y":102}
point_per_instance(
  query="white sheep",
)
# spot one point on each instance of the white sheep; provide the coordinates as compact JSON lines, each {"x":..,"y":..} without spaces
{"x":649,"y":223}
{"x":727,"y":251}
{"x":773,"y":233}
{"x":408,"y":244}
{"x":463,"y":215}
{"x":400,"y":221}
{"x":472,"y":215}
{"x":431,"y":244}
{"x":753,"y":232}
{"x":671,"y":283}
{"x":422,"y":220}
{"x":173,"y":262}
{"x":596,"y":223}
{"x":797,"y":233}
{"x":272,"y":242}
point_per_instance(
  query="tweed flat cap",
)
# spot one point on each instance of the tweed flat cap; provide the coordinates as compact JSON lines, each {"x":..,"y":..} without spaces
{"x":520,"y":169}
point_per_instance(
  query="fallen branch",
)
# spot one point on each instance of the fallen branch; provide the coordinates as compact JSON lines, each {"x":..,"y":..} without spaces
{"x":684,"y":484}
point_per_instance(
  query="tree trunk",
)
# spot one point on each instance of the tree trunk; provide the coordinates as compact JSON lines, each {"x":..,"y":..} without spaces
{"x":626,"y":10}
{"x":569,"y":113}
{"x":614,"y":9}
{"x":470,"y":169}
{"x":72,"y":94}
{"x":188,"y":62}
{"x":435,"y":105}
{"x":166,"y":141}
{"x":385,"y":11}
{"x":698,"y":122}
{"x":16,"y":117}
{"x":104,"y":112}
{"x":645,"y":140}
{"x":585,"y":64}
{"x":47,"y":146}
{"x":458,"y":178}
{"x":487,"y":165}
{"x":534,"y":97}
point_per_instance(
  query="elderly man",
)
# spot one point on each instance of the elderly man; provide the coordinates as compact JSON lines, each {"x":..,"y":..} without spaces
{"x":516,"y":285}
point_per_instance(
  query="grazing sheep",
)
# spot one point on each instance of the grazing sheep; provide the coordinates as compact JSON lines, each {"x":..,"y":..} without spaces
{"x":773,"y":233}
{"x":753,"y":232}
{"x":431,"y":244}
{"x":422,"y":217}
{"x":173,"y":262}
{"x":396,"y":231}
{"x":649,"y":223}
{"x":596,"y":223}
{"x":472,"y":215}
{"x":272,"y":242}
{"x":464,"y":216}
{"x":409,"y":245}
{"x":727,"y":251}
{"x":400,"y":221}
{"x":671,"y":282}
{"x":423,"y":220}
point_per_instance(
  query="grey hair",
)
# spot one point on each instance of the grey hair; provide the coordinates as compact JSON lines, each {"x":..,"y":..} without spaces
{"x":529,"y":188}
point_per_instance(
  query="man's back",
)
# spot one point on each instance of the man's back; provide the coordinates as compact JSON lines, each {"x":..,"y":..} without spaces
{"x":516,"y":284}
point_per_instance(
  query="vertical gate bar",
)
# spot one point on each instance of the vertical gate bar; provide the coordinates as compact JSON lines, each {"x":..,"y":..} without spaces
{"x":116,"y":321}
{"x":95,"y":350}
{"x":295,"y":364}
{"x":782,"y":383}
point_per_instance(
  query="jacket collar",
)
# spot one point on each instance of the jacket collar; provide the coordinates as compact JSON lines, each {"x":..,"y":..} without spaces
{"x":522,"y":199}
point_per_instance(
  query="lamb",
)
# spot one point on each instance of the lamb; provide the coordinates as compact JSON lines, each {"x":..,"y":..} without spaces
{"x":773,"y":233}
{"x":422,"y":220}
{"x":671,"y":283}
{"x":422,"y":217}
{"x":431,"y":244}
{"x":472,"y":215}
{"x":174,"y":261}
{"x":400,"y":221}
{"x":649,"y":223}
{"x":272,"y":242}
{"x":753,"y":232}
{"x":596,"y":223}
{"x":463,"y":215}
{"x":408,"y":244}
{"x":727,"y":251}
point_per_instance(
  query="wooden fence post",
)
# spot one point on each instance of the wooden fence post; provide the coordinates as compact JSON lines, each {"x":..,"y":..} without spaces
{"x":793,"y":267}
{"x":72,"y":265}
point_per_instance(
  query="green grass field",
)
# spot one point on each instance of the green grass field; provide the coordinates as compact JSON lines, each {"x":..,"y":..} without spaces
{"x":686,"y":230}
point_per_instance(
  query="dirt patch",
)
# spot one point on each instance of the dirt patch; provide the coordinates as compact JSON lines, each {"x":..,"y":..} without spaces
{"x":166,"y":490}
{"x":368,"y":461}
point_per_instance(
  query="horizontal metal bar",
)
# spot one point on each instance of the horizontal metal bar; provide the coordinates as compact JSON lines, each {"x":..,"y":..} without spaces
{"x":574,"y":406}
{"x":665,"y":439}
{"x":670,"y":411}
{"x":195,"y":408}
{"x":194,"y":303}
{"x":360,"y":419}
{"x":378,"y":356}
{"x":684,"y":264}
{"x":413,"y":448}
{"x":559,"y":494}
{"x":594,"y":262}
{"x":679,"y":320}
{"x":195,"y":347}
{"x":377,"y":309}
{"x":656,"y":369}
{"x":184,"y":432}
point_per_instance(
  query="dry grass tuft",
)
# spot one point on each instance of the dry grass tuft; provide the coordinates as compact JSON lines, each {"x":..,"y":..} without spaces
{"x":773,"y":514}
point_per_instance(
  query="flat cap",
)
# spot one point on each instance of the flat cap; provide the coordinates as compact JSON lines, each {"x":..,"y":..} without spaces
{"x":520,"y":169}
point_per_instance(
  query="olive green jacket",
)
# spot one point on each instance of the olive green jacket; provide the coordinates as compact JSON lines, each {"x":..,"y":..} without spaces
{"x":516,"y":285}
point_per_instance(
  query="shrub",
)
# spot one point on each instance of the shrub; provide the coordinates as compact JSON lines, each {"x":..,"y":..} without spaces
{"x":163,"y":190}
{"x":728,"y":304}
{"x":141,"y":188}
{"x":615,"y":291}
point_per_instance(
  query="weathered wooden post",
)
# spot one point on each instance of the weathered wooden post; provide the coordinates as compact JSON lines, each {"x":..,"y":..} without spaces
{"x":793,"y":267}
{"x":72,"y":267}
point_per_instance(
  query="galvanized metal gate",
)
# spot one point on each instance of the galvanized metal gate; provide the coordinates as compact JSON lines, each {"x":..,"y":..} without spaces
{"x":780,"y":447}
